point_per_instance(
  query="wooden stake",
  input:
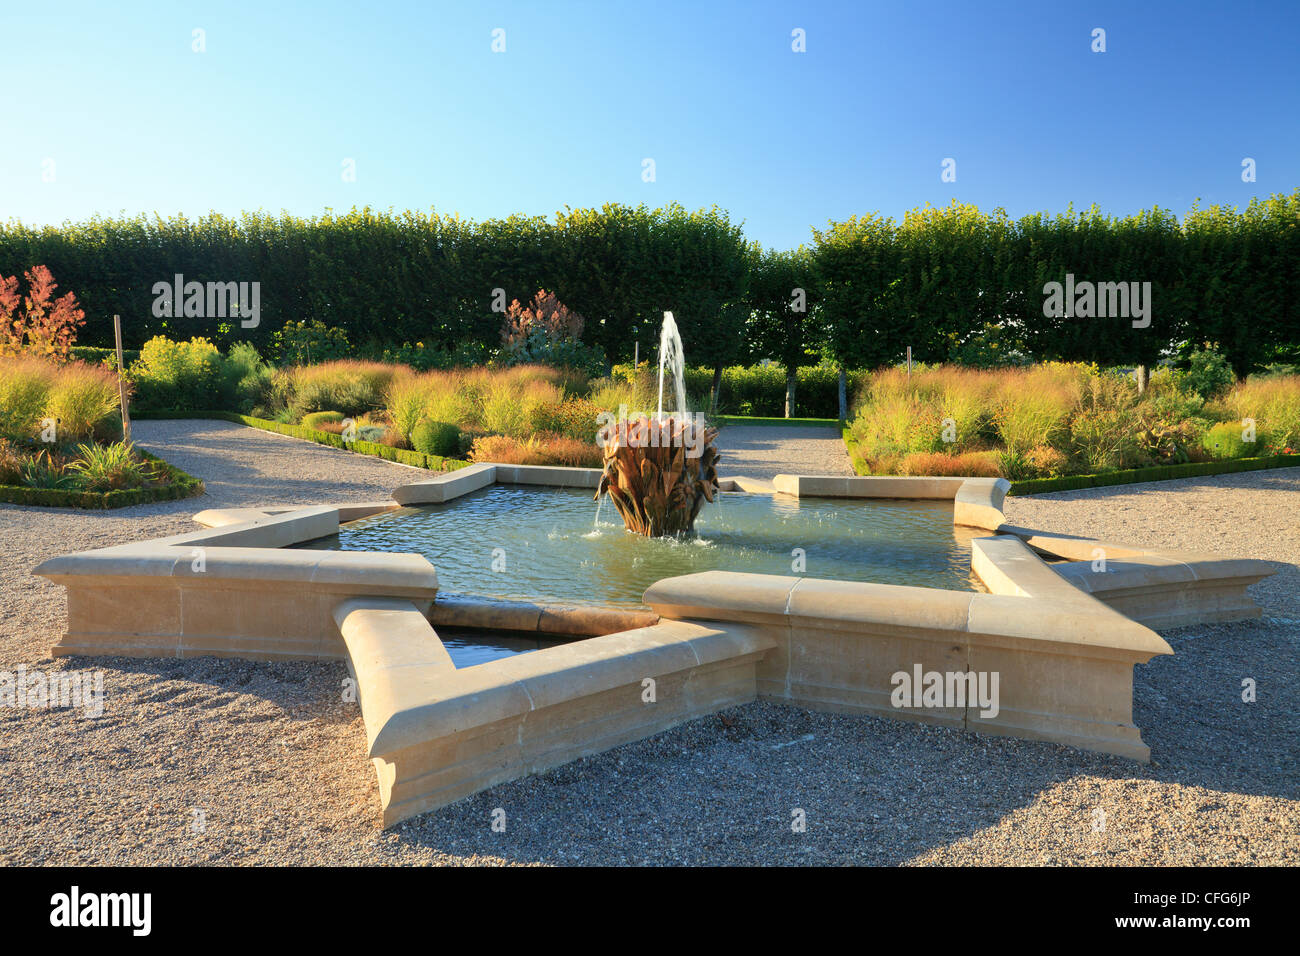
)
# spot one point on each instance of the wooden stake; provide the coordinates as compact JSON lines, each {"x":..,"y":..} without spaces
{"x":121,"y":381}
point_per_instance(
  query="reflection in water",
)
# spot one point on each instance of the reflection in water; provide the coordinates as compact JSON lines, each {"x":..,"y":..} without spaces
{"x":550,"y":551}
{"x":470,"y":646}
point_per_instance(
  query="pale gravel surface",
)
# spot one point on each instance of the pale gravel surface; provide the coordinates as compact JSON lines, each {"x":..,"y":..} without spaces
{"x":763,"y":451}
{"x":276,"y":761}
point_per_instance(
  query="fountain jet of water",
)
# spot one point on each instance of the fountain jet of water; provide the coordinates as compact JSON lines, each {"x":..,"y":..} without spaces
{"x":672,"y":357}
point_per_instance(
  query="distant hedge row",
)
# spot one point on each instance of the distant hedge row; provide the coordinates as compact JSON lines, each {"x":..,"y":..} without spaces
{"x":953,"y":283}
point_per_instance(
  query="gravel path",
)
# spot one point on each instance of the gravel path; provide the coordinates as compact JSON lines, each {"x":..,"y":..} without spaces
{"x":762,"y":451}
{"x":274,"y":761}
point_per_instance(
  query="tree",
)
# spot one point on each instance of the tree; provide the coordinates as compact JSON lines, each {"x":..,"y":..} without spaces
{"x":784,"y":311}
{"x":38,"y":323}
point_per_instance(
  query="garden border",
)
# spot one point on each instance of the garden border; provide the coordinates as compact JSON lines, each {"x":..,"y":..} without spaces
{"x":401,"y":456}
{"x":183,"y":485}
{"x":1127,"y":476}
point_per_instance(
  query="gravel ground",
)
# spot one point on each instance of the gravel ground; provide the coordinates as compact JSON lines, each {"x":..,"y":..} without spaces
{"x":275,"y":762}
{"x":763,"y":451}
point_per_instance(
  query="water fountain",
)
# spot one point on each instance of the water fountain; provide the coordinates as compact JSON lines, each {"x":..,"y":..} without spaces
{"x":660,"y":470}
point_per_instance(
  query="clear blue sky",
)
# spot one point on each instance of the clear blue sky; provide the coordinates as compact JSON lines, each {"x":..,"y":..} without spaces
{"x":135,"y":121}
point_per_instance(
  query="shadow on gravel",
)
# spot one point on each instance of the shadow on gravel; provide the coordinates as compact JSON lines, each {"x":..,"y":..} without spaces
{"x":726,"y":789}
{"x":877,"y":791}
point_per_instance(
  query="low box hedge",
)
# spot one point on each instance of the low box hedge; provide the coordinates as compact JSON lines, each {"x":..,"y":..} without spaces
{"x":181,"y":485}
{"x":402,"y":456}
{"x":1038,"y":486}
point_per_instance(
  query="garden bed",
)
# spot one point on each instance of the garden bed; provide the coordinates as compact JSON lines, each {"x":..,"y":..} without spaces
{"x":402,"y":456}
{"x":175,"y":484}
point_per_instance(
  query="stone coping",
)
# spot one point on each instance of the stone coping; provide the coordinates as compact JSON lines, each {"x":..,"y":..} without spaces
{"x":1044,"y":607}
{"x":977,"y":502}
{"x":1065,"y":636}
{"x":459,"y":610}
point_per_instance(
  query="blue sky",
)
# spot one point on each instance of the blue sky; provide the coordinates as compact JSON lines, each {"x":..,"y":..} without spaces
{"x":134,"y":120}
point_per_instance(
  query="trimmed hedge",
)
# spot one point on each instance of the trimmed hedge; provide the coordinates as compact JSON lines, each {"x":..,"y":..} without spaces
{"x":400,"y":455}
{"x":182,"y":486}
{"x":855,"y":454}
{"x":1129,"y":476}
{"x":1038,"y":486}
{"x":89,"y":353}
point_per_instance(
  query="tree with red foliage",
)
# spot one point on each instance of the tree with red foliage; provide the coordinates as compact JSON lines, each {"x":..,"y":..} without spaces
{"x":44,"y":325}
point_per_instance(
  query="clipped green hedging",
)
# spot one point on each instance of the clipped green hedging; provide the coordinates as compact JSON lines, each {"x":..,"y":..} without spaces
{"x":400,"y":455}
{"x":182,"y":485}
{"x":89,"y":353}
{"x":1038,"y":486}
{"x":855,"y":453}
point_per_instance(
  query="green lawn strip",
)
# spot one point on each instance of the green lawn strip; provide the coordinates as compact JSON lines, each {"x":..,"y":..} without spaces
{"x":806,"y":422}
{"x":181,"y":485}
{"x":387,"y":452}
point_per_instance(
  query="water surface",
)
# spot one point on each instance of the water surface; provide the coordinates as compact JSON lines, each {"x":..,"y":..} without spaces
{"x":520,"y":541}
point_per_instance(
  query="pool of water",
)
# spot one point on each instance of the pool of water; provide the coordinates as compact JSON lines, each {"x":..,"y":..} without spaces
{"x":544,"y":543}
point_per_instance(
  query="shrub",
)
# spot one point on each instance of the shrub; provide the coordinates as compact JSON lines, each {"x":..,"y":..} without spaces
{"x":546,"y":332}
{"x":246,"y":378}
{"x":316,"y":419}
{"x":1208,"y":374}
{"x":177,"y":376}
{"x":304,"y":343}
{"x":1047,"y":462}
{"x":436,"y":438}
{"x":33,"y":324}
{"x":1225,"y":441}
{"x":576,"y":418}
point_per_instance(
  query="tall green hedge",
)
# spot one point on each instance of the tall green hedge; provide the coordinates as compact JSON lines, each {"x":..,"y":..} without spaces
{"x":937,"y":281}
{"x":943,"y":276}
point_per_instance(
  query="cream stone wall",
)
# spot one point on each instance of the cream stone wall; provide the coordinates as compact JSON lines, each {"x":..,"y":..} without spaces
{"x":1063,"y":638}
